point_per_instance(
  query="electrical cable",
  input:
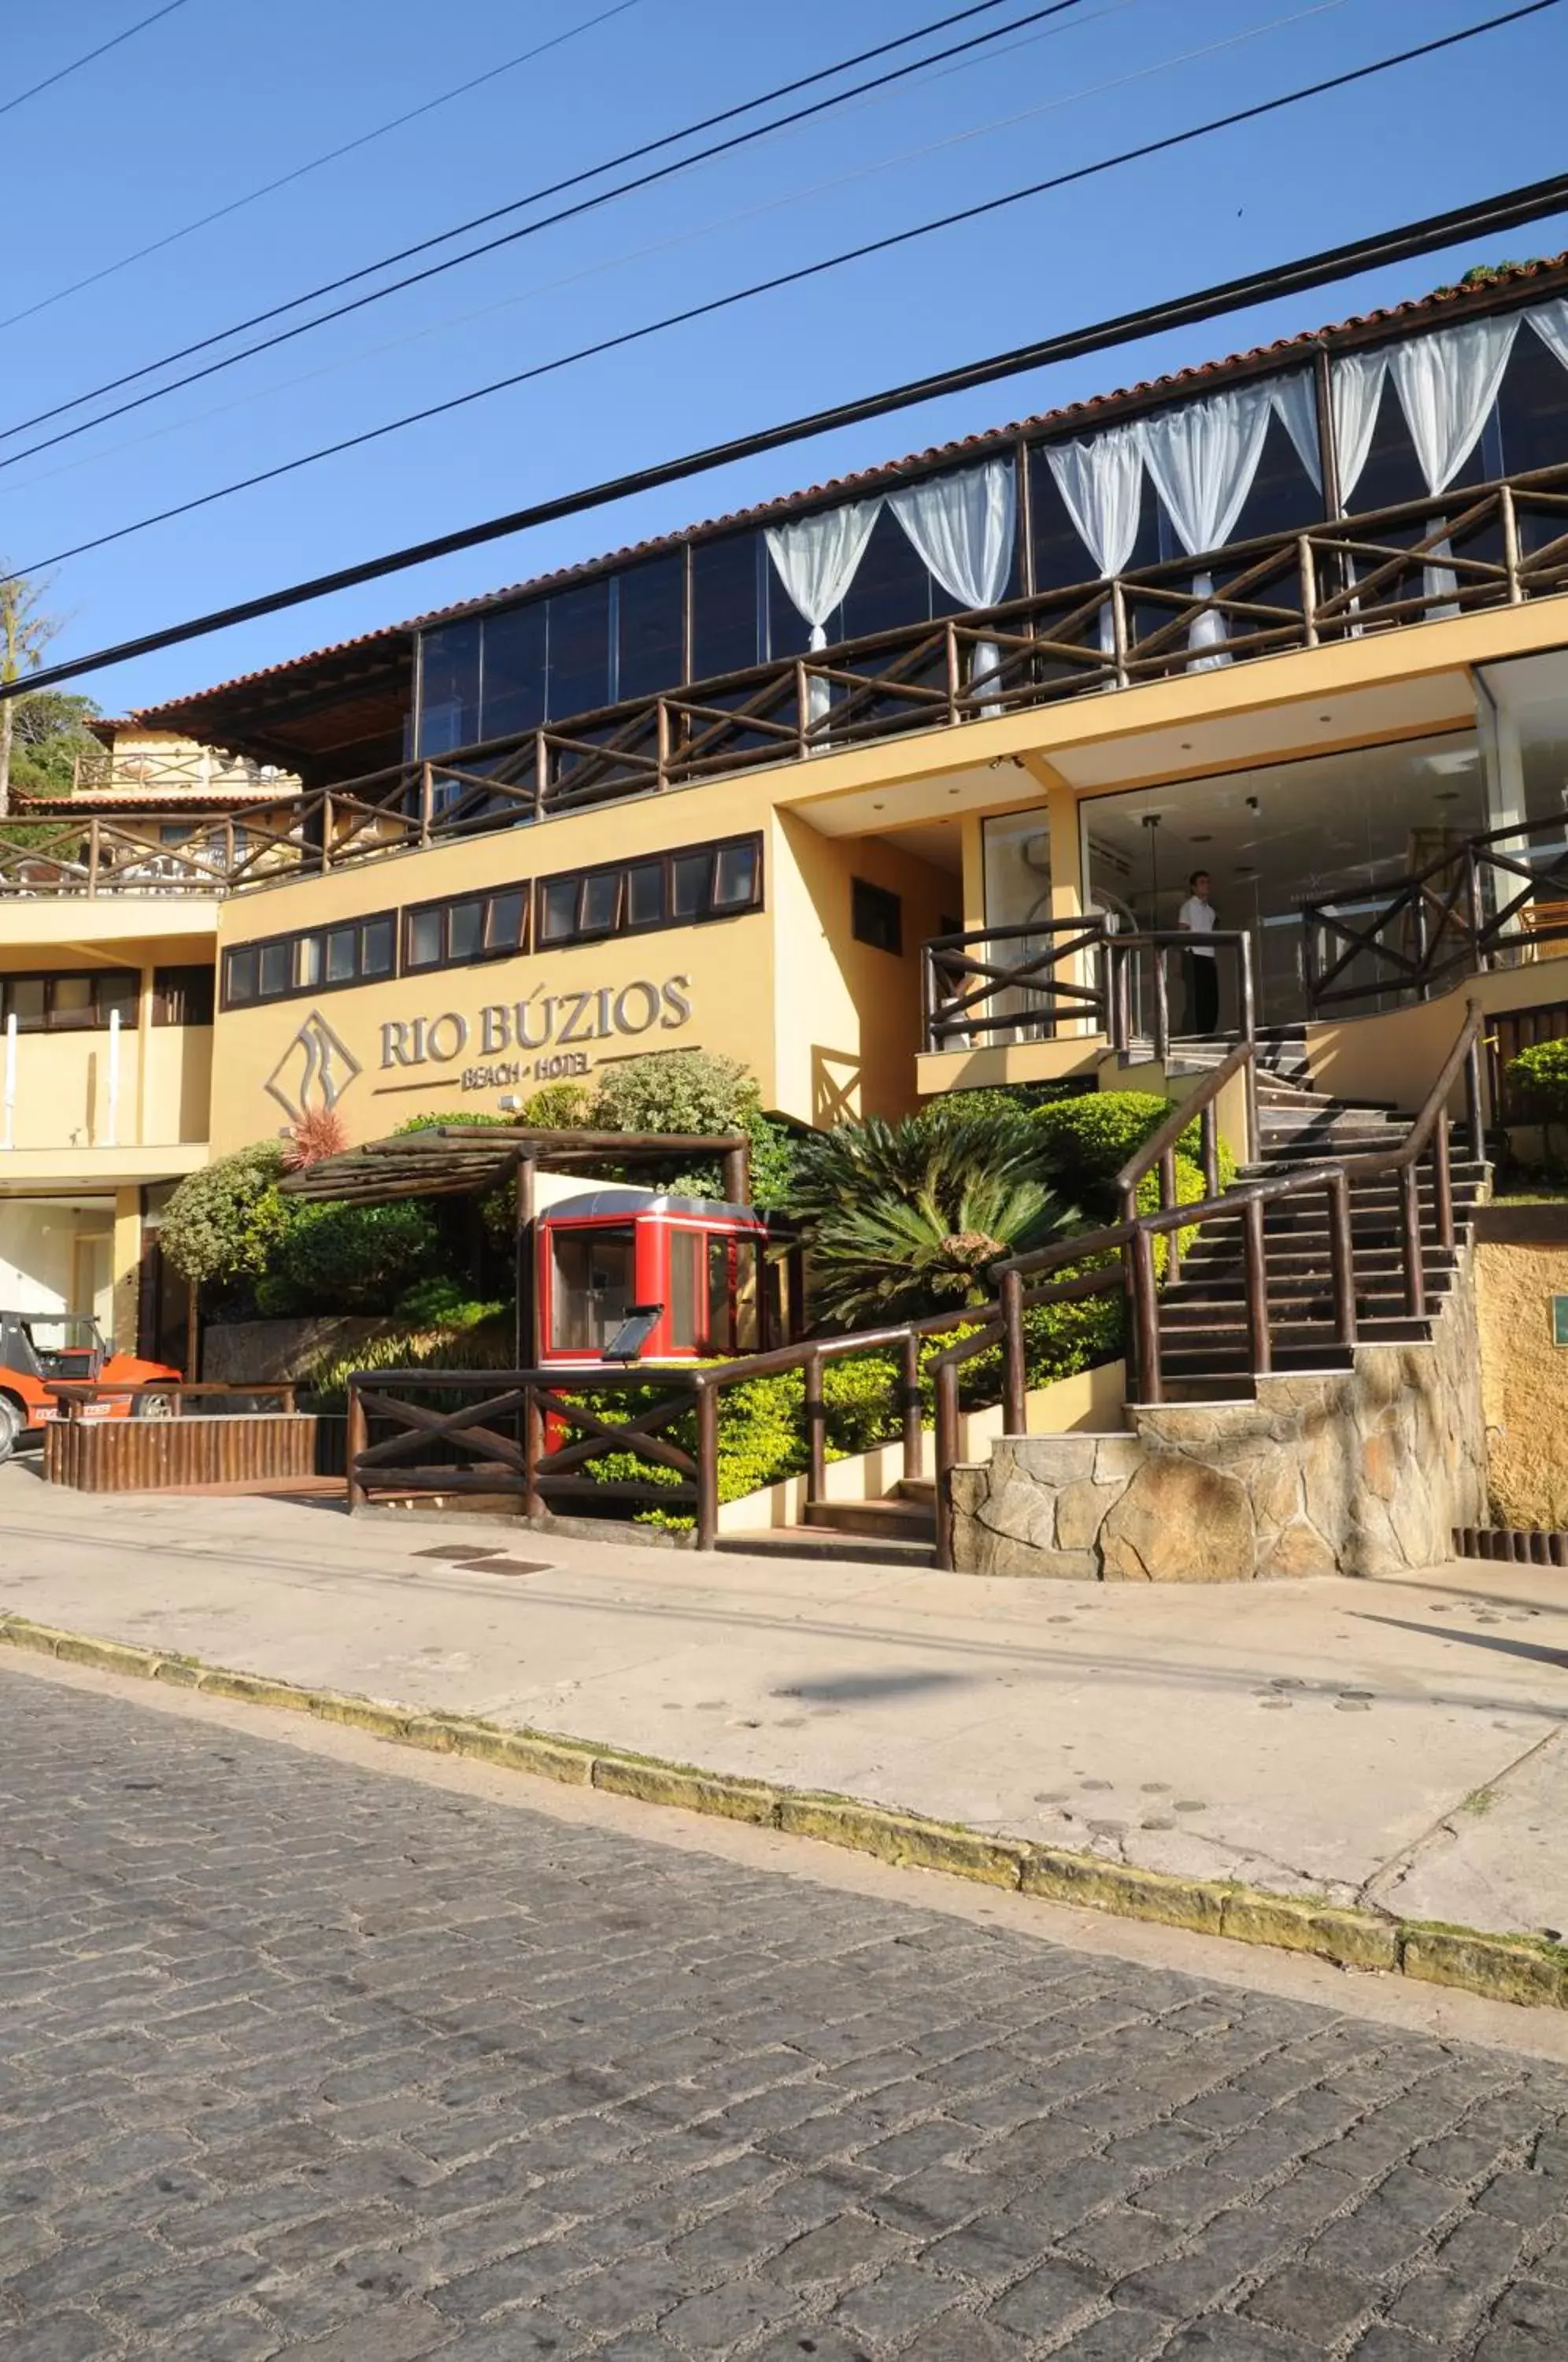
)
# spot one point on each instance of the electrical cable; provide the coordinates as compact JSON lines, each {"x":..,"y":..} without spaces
{"x":530,"y":229}
{"x":317,"y":164}
{"x":803,"y":271}
{"x":63,"y":73}
{"x":1485,"y":216}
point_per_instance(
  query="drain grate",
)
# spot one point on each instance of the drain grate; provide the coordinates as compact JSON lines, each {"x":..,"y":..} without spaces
{"x":1520,"y":1545}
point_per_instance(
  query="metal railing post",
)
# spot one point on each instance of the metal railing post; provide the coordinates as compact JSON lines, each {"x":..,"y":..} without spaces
{"x":1442,"y":1184}
{"x":914,"y":1434}
{"x":1167,"y":1201}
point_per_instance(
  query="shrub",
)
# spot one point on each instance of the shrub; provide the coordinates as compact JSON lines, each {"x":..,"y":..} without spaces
{"x":225,"y":1223}
{"x":337,"y":1258}
{"x":1537,"y":1085}
{"x":1089,"y":1139}
{"x":442,"y":1302}
{"x":561,"y":1107}
{"x":673,"y":1090}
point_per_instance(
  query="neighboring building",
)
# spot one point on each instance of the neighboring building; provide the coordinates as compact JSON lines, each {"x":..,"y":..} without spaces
{"x":722,"y":790}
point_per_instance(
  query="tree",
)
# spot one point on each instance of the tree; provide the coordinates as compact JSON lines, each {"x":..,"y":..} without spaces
{"x":905,"y":1218}
{"x":225,"y":1223}
{"x":26,"y":630}
{"x":51,"y":741}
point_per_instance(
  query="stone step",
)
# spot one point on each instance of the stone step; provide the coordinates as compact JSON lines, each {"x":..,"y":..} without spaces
{"x":889,"y":1520}
{"x":824,"y":1542}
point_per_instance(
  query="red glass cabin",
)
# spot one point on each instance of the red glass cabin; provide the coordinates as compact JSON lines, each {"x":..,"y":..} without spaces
{"x":693,"y":1267}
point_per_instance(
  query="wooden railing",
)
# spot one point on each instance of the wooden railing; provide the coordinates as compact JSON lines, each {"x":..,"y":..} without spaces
{"x":535,"y":1434}
{"x":1491,"y":901}
{"x":1499,"y":545}
{"x":1057,"y":979}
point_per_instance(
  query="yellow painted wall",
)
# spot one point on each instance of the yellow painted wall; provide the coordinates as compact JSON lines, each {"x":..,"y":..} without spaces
{"x":1396,"y":1056}
{"x":847,"y":1016}
{"x":62,"y":1089}
{"x":828,"y":1026}
{"x":1524,"y":1380}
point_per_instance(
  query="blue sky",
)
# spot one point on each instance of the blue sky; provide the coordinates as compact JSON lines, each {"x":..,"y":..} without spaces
{"x":224,"y":95}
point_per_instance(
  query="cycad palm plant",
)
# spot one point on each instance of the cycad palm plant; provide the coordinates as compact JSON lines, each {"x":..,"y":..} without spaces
{"x":905,"y":1218}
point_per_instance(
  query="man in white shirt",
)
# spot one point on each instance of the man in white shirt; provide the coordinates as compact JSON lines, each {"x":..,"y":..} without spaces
{"x":1196,"y":917}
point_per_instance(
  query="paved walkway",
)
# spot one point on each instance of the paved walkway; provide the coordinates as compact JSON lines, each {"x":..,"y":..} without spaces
{"x":1403,"y":1742}
{"x":301,"y":2059}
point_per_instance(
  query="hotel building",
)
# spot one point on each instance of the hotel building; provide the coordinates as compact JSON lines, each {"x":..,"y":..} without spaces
{"x":1290,"y":618}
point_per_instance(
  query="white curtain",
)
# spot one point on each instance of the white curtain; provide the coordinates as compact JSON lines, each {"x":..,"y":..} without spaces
{"x":1295,"y":404}
{"x":1102,"y":484}
{"x":963,"y":526}
{"x":1447,"y":383}
{"x":1550,"y":322}
{"x":1356,"y":394}
{"x":817,"y":558}
{"x":1203,"y":457}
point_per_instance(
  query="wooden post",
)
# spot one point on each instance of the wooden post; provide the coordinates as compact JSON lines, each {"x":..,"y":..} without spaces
{"x":1410,"y":1225}
{"x":356,"y":1440}
{"x":737,"y":1174}
{"x":1015,"y":1371}
{"x":1342,"y":1257}
{"x":1473,"y":1109}
{"x":661,"y":723}
{"x":947,"y":1458}
{"x":92,"y":854}
{"x":802,"y":709}
{"x":324,"y":857}
{"x":541,"y":774}
{"x":1306,"y":561}
{"x":1147,"y":1317}
{"x":707,"y":1466}
{"x":914,"y":1441}
{"x":1209,"y":1134}
{"x":1442,"y":1186}
{"x":525,"y":1342}
{"x":1162,"y":1004}
{"x":193,"y":1334}
{"x":954,"y":670}
{"x":426,"y":802}
{"x":1258,"y":1339}
{"x":1510,"y":517}
{"x":816,"y":1429}
{"x":1169,"y":1198}
{"x":1119,"y":631}
{"x":532,"y":1452}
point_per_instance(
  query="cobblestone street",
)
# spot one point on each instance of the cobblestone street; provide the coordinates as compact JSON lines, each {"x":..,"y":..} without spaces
{"x":300,"y":2059}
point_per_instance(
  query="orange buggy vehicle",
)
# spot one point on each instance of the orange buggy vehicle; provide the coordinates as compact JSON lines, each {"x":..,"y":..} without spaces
{"x":38,"y":1350}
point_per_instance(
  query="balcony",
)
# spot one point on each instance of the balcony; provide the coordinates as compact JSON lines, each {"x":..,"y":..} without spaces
{"x":1501,"y":545}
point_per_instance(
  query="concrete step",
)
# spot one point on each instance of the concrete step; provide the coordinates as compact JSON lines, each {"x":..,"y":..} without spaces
{"x":824,"y":1542}
{"x":890,"y":1519}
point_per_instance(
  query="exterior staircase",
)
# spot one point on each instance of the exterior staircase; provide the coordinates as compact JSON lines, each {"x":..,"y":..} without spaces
{"x":1204,"y":1344}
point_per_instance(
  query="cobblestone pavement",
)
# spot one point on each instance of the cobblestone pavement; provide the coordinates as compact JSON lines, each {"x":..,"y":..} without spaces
{"x":299,"y":2058}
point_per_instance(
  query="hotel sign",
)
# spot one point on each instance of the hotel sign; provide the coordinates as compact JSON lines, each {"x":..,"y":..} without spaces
{"x":539,"y":1039}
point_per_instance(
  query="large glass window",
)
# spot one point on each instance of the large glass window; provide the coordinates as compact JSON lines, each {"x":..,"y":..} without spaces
{"x":76,"y":1002}
{"x":580,"y":650}
{"x":651,"y":627}
{"x":514,"y":684}
{"x":449,"y":686}
{"x":1344,"y":828}
{"x":593,"y":1286}
{"x":683,"y":1310}
{"x":724,"y":608}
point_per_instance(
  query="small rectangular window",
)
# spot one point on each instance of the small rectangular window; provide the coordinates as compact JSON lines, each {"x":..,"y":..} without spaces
{"x":601,"y":893}
{"x":558,"y":916}
{"x":465,"y":930}
{"x":182,"y":996}
{"x":644,"y":894}
{"x":734,"y":876}
{"x":121,"y":993}
{"x":342,"y":955}
{"x":424,"y":939}
{"x":240,"y":982}
{"x":376,"y":947}
{"x":690,"y":899}
{"x":274,"y":975}
{"x":26,"y":1000}
{"x":877,"y":916}
{"x":683,"y":1324}
{"x":503,"y":921}
{"x":71,"y":1004}
{"x":307,"y":962}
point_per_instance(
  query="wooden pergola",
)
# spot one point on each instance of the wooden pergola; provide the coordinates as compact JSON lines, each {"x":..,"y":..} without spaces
{"x":457,"y":1160}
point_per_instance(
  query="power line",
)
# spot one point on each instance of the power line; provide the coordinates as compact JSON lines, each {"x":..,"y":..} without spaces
{"x":1488,"y":216}
{"x":783,"y":278}
{"x":530,"y":229}
{"x":317,"y":164}
{"x":62,"y":72}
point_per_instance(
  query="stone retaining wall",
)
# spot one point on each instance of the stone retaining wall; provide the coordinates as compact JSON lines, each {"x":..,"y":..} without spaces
{"x":1365,"y":1471}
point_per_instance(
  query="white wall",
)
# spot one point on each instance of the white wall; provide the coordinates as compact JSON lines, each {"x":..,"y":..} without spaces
{"x":37,"y":1258}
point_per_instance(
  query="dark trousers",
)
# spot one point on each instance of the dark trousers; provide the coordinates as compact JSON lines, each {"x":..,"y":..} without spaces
{"x":1202,"y":993}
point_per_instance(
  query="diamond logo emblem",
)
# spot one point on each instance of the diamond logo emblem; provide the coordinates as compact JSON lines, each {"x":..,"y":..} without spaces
{"x":313,"y":1071}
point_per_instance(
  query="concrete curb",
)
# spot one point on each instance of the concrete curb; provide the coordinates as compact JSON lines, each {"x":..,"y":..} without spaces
{"x":1500,"y":1967}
